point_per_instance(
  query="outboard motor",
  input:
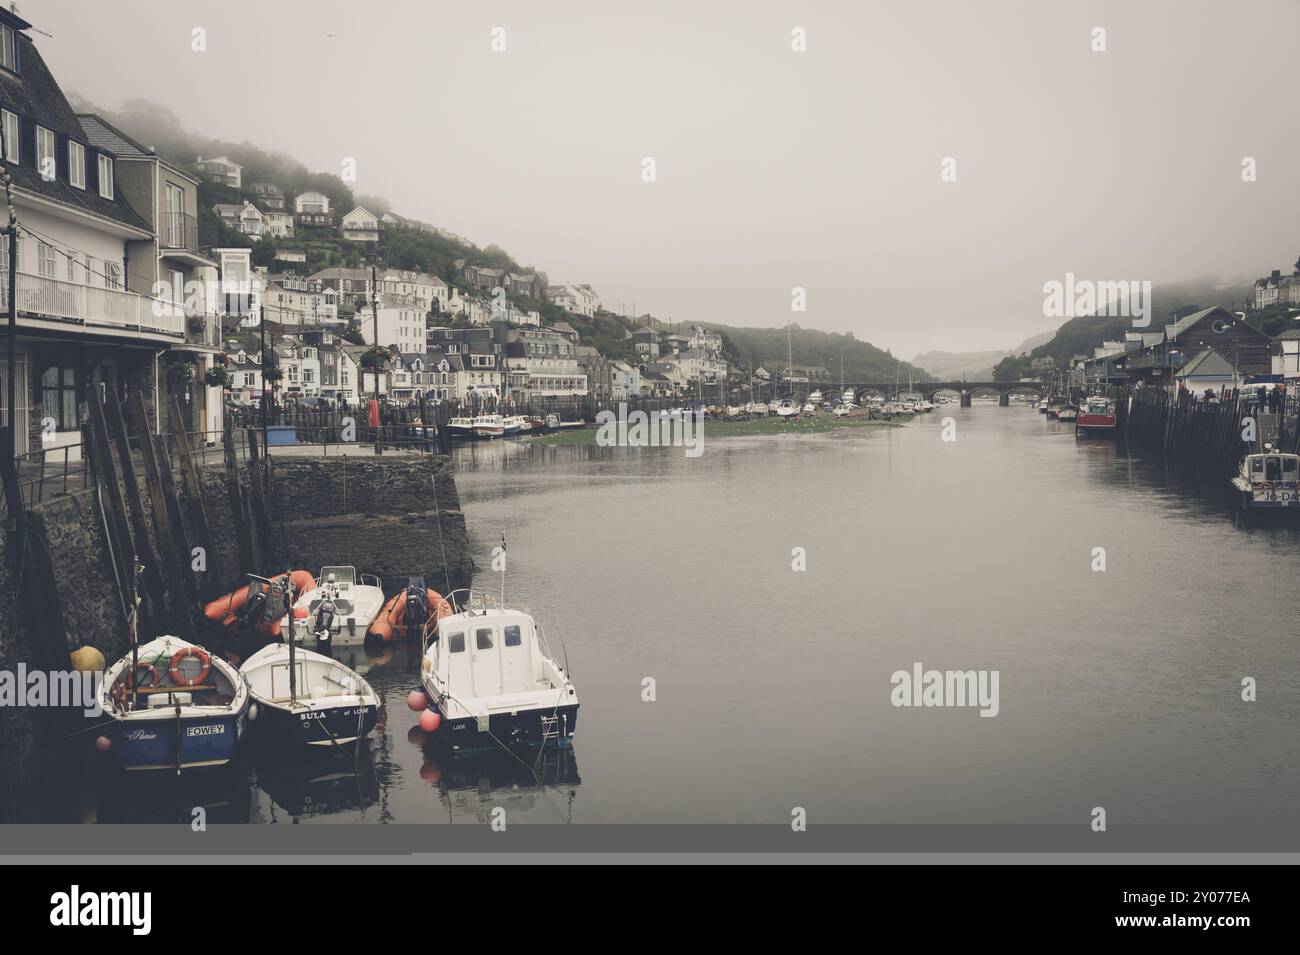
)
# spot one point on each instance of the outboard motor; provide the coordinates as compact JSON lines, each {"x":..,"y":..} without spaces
{"x":325,"y":615}
{"x":417,"y":606}
{"x":255,"y":609}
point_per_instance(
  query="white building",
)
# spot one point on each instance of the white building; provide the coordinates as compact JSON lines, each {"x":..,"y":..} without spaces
{"x":222,"y":169}
{"x":401,"y":322}
{"x":360,"y":225}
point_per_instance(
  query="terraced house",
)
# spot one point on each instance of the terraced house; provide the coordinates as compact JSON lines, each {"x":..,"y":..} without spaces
{"x":78,"y":240}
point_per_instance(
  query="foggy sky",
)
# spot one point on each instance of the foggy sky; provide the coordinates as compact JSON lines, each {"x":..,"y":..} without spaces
{"x":775,"y":169}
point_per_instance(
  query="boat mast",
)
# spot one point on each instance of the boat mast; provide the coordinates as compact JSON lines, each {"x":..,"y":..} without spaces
{"x":288,"y":612}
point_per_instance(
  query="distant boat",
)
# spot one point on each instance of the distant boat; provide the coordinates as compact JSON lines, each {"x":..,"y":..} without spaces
{"x":810,"y":408}
{"x":514,"y":424}
{"x":787,"y":408}
{"x":489,"y":426}
{"x":1067,"y":412}
{"x":848,"y":397}
{"x":553,"y":423}
{"x":1097,"y":416}
{"x":815,"y":398}
{"x":841,"y":411}
{"x":460,"y":428}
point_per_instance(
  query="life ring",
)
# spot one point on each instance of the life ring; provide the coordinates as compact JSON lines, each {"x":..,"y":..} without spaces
{"x":129,"y":681}
{"x":179,"y":656}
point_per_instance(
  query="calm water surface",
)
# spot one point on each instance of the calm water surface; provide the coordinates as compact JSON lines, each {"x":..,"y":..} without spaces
{"x":773,"y":687}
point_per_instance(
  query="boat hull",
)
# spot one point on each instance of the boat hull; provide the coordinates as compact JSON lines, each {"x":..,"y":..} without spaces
{"x":335,"y":725}
{"x":144,"y":745}
{"x":1095,"y":423}
{"x":524,"y":727}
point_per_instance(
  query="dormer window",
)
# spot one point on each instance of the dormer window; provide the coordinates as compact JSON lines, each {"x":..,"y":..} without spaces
{"x":105,"y":176}
{"x":77,"y":164}
{"x":45,"y":153}
{"x":8,"y":55}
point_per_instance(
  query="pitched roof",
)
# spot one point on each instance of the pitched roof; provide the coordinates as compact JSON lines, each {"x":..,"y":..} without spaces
{"x":1207,"y":363}
{"x":36,"y":97}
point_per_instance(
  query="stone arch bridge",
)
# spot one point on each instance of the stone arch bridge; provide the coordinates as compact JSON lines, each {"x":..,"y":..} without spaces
{"x":965,"y":389}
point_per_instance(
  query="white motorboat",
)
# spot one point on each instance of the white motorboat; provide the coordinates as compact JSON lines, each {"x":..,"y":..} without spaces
{"x":848,"y":397}
{"x":490,"y":680}
{"x":489,"y":426}
{"x":815,"y":398}
{"x":339,"y":611}
{"x":514,"y":424}
{"x":787,"y":408}
{"x":810,"y":408}
{"x":756,"y":408}
{"x":841,"y":411}
{"x":1268,"y":481}
{"x":307,"y":697}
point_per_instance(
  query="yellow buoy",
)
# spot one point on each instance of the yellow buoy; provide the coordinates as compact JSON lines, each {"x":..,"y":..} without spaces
{"x":87,"y":660}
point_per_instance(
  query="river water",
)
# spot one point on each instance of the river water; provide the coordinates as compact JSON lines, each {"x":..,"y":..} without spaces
{"x":772,"y":686}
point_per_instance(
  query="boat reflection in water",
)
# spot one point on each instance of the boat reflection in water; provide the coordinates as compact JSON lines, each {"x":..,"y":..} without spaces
{"x":536,"y":784}
{"x":223,"y":794}
{"x":312,"y":783}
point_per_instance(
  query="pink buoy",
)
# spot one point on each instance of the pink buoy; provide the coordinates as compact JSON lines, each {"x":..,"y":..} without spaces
{"x":103,"y":744}
{"x":430,"y":721}
{"x":417,"y":700}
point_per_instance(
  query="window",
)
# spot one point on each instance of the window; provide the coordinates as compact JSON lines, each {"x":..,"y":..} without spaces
{"x":513,"y":638}
{"x":45,"y":259}
{"x":172,"y":231}
{"x":456,"y":643}
{"x":45,"y":153}
{"x":483,"y":639}
{"x":77,"y":164}
{"x":106,"y":176}
{"x":59,"y":397}
{"x":8,"y":53}
{"x":112,"y":275}
{"x":12,"y":149}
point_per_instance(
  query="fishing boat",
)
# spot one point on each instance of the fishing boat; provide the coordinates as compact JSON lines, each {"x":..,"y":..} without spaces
{"x":460,"y":428}
{"x":490,"y":680}
{"x":1267,"y":481}
{"x":1067,"y":412}
{"x":305,"y":697}
{"x":787,"y":408}
{"x":514,"y":424}
{"x":554,"y":423}
{"x":489,"y":426}
{"x":173,"y":706}
{"x":338,"y":611}
{"x":1097,"y":416}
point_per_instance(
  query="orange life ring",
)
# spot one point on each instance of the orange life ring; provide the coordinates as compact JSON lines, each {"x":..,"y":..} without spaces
{"x":180,"y":655}
{"x":128,"y":681}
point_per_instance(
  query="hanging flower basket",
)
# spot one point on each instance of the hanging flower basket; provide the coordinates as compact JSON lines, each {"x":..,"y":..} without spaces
{"x":218,"y":376}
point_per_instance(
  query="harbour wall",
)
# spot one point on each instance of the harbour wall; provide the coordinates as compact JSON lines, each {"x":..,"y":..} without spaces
{"x":391,"y":516}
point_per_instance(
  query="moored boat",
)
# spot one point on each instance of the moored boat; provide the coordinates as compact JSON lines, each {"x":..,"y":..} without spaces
{"x":307,"y":697}
{"x":460,"y":428}
{"x":188,"y":715}
{"x":490,"y":680}
{"x":414,"y":612}
{"x":787,"y":408}
{"x":514,"y":424}
{"x":1067,"y":412}
{"x":489,"y":426}
{"x":1267,"y":481}
{"x":1097,"y":416}
{"x":259,"y":604}
{"x":338,"y":611}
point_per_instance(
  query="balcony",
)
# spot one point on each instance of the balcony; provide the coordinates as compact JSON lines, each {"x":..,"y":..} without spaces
{"x":178,"y":230}
{"x":91,"y":308}
{"x":202,"y":329}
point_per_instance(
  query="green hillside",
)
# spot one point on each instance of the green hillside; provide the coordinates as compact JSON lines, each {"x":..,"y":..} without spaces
{"x":766,"y":348}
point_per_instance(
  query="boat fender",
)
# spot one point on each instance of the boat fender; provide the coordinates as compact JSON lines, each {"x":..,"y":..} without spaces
{"x":180,"y":656}
{"x":430,"y":721}
{"x":252,"y":711}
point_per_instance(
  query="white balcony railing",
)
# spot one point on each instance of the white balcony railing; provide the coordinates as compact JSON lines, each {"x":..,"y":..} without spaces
{"x":92,"y":307}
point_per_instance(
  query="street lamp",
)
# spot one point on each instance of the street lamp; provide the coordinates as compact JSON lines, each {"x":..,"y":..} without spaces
{"x":376,"y":261}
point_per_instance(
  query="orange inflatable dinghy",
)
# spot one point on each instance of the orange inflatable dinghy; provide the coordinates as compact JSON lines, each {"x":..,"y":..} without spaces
{"x":413,"y":612}
{"x":257,"y":605}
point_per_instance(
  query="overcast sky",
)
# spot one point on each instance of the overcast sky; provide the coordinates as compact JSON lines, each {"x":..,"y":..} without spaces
{"x":775,"y":168}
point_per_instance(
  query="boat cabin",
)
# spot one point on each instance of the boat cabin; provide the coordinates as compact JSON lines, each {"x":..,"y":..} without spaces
{"x":1270,"y":469}
{"x":493,"y":653}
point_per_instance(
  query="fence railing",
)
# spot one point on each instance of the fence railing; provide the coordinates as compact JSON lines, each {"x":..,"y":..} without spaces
{"x":92,"y":306}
